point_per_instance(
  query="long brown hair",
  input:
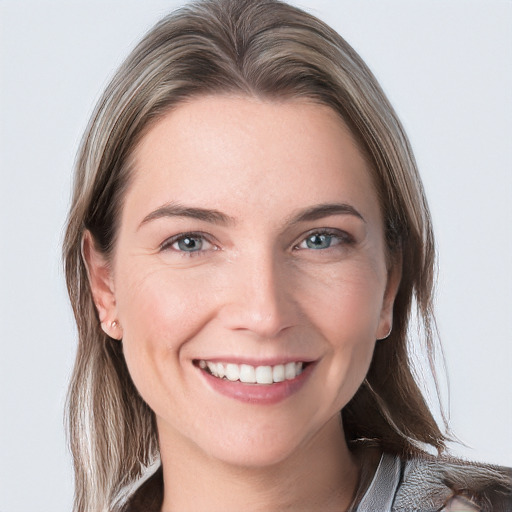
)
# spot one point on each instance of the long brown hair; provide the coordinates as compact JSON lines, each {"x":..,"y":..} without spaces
{"x":268,"y":49}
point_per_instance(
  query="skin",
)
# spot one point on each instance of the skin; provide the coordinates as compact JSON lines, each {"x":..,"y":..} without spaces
{"x":256,"y":289}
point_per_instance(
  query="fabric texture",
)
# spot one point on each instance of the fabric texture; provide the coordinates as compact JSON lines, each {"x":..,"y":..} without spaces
{"x":383,"y":487}
{"x":434,"y":484}
{"x":423,"y":484}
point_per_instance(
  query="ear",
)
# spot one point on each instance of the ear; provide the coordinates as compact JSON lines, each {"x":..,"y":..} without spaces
{"x":102,"y":286}
{"x":392,"y":285}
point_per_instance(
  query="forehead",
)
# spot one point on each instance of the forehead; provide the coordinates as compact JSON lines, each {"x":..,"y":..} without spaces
{"x":242,"y":153}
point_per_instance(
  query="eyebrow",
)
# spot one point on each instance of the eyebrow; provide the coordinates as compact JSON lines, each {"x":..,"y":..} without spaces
{"x":178,"y":210}
{"x":216,"y":217}
{"x":325,"y":210}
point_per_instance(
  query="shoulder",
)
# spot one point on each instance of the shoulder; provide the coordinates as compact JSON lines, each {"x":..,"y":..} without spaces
{"x":453,"y":485}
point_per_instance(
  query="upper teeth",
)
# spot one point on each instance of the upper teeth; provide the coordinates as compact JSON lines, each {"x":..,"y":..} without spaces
{"x":253,"y":374}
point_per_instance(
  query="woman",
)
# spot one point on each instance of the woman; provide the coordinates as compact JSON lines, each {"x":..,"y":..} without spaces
{"x":247,"y":238}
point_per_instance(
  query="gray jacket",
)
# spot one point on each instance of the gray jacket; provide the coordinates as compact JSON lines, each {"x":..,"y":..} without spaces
{"x":418,"y":485}
{"x":431,"y":484}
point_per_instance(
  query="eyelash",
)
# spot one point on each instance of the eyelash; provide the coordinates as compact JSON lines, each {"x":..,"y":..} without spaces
{"x":167,"y":245}
{"x":342,"y":237}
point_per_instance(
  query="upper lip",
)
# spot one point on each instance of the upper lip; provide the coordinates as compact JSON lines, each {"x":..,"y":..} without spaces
{"x":273,"y":361}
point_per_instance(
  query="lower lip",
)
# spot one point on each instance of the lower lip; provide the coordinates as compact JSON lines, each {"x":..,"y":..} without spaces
{"x":264,"y":394}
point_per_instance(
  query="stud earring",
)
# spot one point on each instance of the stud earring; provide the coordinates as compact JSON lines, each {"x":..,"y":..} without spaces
{"x":108,"y":327}
{"x":387,"y":335}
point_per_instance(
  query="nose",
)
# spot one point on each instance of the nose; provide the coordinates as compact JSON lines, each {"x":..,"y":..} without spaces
{"x":259,"y":297}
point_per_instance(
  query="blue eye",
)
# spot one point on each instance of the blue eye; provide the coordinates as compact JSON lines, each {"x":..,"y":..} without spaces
{"x":319,"y":241}
{"x":188,"y":244}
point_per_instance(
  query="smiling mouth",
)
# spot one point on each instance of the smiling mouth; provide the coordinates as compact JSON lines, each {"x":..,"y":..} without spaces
{"x":252,"y":374}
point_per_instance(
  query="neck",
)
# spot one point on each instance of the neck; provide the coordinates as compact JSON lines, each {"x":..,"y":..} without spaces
{"x":321,"y":475}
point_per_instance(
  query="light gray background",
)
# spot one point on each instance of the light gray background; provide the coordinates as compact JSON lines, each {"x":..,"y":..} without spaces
{"x":446,"y":66}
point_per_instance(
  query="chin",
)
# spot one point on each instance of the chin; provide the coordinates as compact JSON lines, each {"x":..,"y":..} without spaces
{"x":253,"y":458}
{"x":257,"y":449}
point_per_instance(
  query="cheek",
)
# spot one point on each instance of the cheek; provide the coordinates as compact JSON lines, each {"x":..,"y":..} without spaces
{"x":345,"y":308}
{"x":160,"y":304}
{"x":159,"y":313}
{"x":345,"y":301}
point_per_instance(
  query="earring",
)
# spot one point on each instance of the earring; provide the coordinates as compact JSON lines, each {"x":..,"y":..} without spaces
{"x":108,"y":327}
{"x":387,"y":335}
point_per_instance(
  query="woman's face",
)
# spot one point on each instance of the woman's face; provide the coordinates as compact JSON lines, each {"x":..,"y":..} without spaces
{"x":250,"y":243}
